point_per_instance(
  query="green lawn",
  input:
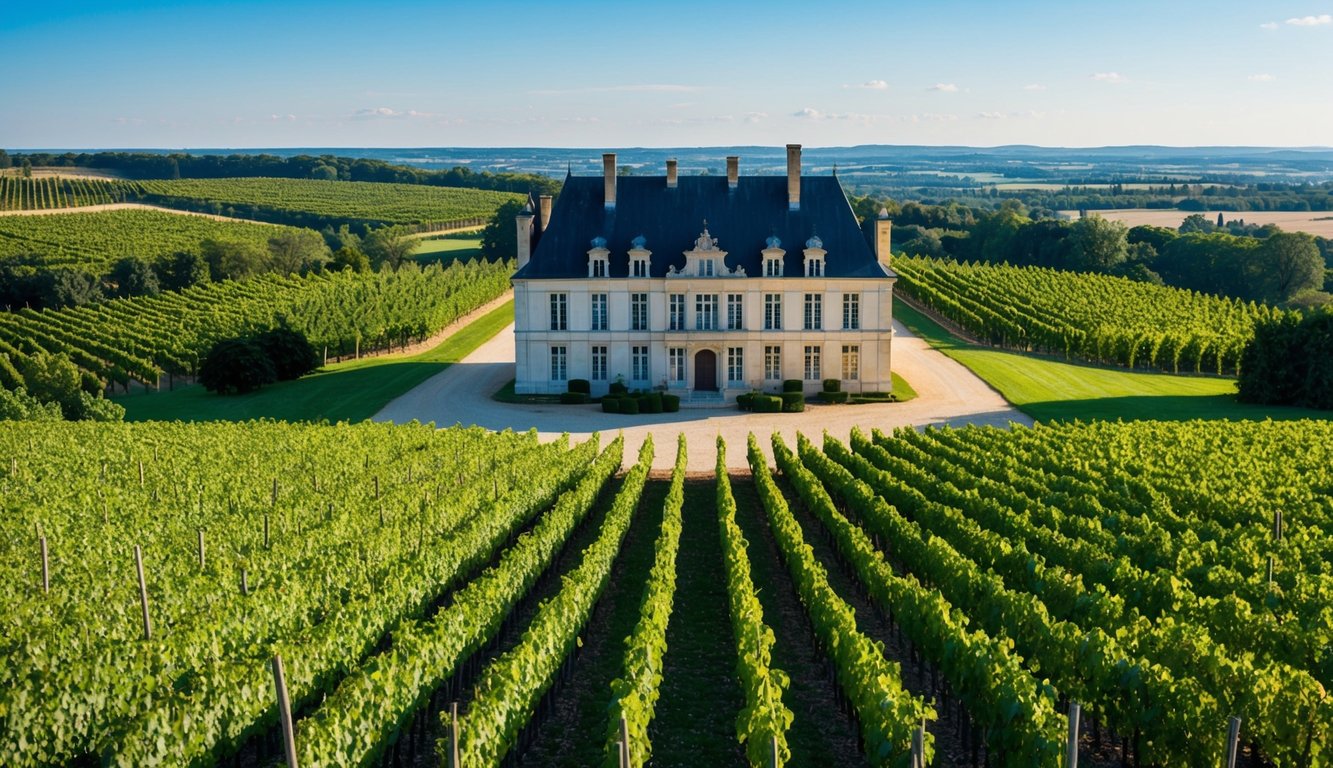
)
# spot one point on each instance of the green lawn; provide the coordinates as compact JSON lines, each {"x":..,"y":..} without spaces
{"x":1047,"y":389}
{"x":350,"y":391}
{"x":901,"y":389}
{"x":447,"y":248}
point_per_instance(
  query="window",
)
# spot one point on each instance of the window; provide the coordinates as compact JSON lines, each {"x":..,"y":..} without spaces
{"x":599,"y":312}
{"x":735,"y":311}
{"x":772,"y":362}
{"x":559,"y":311}
{"x":640,"y":268}
{"x":705,"y":312}
{"x":814,"y":267}
{"x":814,"y":311}
{"x":772,"y":311}
{"x":677,"y":312}
{"x":772,"y":267}
{"x":851,"y":311}
{"x":851,"y":362}
{"x":599,"y":363}
{"x":599,"y":267}
{"x":638,"y":311}
{"x":639,"y":363}
{"x":812,"y":367}
{"x":735,"y":364}
{"x":706,"y":268}
{"x":559,"y":360}
{"x":676,"y":356}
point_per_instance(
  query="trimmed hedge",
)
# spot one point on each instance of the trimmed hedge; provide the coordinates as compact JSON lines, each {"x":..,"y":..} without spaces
{"x":830,"y":385}
{"x":629,"y":405}
{"x":619,"y":388}
{"x":610,"y":404}
{"x":650,"y":402}
{"x":581,"y":386}
{"x":745,"y":400}
{"x":793,"y":385}
{"x":833,"y":397}
{"x":670,"y":403}
{"x":793,"y":402}
{"x":766,"y":404}
{"x":574,"y":398}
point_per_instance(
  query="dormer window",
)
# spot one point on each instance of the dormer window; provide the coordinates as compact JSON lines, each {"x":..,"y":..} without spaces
{"x":814,"y":268}
{"x":639,"y":257}
{"x":773,"y":257}
{"x":640,"y":267}
{"x":707,"y":268}
{"x":598,"y":258}
{"x":598,"y":268}
{"x":814,"y":257}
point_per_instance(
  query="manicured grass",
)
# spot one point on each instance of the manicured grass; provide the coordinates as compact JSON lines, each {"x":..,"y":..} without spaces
{"x":901,"y":389}
{"x":350,"y":391}
{"x":1047,"y":389}
{"x":447,"y":248}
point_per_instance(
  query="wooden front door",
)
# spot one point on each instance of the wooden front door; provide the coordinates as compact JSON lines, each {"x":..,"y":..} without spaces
{"x":705,"y":370}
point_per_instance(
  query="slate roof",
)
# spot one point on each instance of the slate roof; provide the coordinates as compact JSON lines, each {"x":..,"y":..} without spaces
{"x":671,"y":220}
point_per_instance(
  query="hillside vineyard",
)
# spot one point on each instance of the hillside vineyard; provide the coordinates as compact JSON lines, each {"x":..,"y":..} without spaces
{"x":973,"y":580}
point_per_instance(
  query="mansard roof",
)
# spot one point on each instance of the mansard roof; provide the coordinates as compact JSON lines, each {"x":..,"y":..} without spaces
{"x":671,"y":220}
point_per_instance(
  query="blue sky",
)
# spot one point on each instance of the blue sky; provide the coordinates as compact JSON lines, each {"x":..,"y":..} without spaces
{"x":602,"y":74}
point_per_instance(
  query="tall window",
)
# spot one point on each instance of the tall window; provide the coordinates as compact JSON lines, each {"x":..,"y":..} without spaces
{"x":851,"y":362}
{"x":705,"y":311}
{"x":814,"y":267}
{"x":735,"y":311}
{"x":772,"y":362}
{"x":639,"y":363}
{"x":676,"y":356}
{"x":735,"y":364}
{"x":851,"y":311}
{"x":772,"y":311}
{"x":559,"y":363}
{"x":599,"y":312}
{"x":559,"y":311}
{"x":706,"y":268}
{"x":599,"y":362}
{"x":812,"y":366}
{"x":599,"y":267}
{"x":638,"y":311}
{"x":772,"y":267}
{"x":814,"y":311}
{"x":639,"y":268}
{"x":677,"y":312}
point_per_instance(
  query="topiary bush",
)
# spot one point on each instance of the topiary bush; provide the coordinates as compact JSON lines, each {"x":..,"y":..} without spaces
{"x":291,"y":353}
{"x":670,"y":403}
{"x":574,"y":398}
{"x":832,"y":385}
{"x":618,"y":387}
{"x":745,"y":401}
{"x":833,"y":397}
{"x":580,"y":385}
{"x":610,"y":404}
{"x":629,"y":405}
{"x":793,"y":385}
{"x":766,"y":404}
{"x":651,"y":403}
{"x":236,"y":366}
{"x":793,"y":402}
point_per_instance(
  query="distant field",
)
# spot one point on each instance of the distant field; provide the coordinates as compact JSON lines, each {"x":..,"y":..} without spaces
{"x":1315,"y":222}
{"x":39,"y":172}
{"x":95,"y":240}
{"x":349,"y":200}
{"x":47,"y":191}
{"x":447,"y":248}
{"x":1048,"y":186}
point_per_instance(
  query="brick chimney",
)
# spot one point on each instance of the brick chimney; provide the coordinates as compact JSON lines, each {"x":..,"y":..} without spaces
{"x":794,"y":177}
{"x":543,"y":212}
{"x":733,"y":171}
{"x":609,"y":178}
{"x":671,"y":174}
{"x":523,"y":221}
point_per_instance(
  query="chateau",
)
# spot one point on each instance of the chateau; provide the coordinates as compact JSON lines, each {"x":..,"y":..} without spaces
{"x":702,"y":286}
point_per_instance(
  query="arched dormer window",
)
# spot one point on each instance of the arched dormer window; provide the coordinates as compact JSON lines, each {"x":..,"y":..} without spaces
{"x":773,"y":256}
{"x":598,"y":258}
{"x":640,"y":258}
{"x":814,"y":257}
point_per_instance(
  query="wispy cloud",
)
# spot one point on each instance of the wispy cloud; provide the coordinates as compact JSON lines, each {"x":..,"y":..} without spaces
{"x":931,"y":117}
{"x":372,"y":113}
{"x":869,"y":85}
{"x":279,"y":118}
{"x":992,"y":115}
{"x":1029,"y":114}
{"x":808,"y":112}
{"x":1262,"y":78}
{"x":754,"y":117}
{"x":627,"y":88}
{"x":1311,"y":21}
{"x":1269,"y":25}
{"x":1109,"y":77}
{"x":945,"y":87}
{"x":1034,"y":87}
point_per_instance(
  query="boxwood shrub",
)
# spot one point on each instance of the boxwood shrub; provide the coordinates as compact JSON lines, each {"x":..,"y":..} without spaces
{"x":574,"y":398}
{"x":833,"y":397}
{"x":830,"y":385}
{"x":619,"y":388}
{"x":670,"y":403}
{"x":580,"y":385}
{"x":650,"y":402}
{"x":629,"y":405}
{"x":610,"y":404}
{"x":793,"y":402}
{"x":793,"y":385}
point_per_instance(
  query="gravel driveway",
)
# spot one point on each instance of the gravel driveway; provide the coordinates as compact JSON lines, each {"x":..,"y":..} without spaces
{"x":947,"y":392}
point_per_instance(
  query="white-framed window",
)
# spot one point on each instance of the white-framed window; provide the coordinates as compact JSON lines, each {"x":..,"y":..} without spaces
{"x":706,"y":268}
{"x":814,"y":267}
{"x":639,"y":363}
{"x":813,"y":369}
{"x":599,"y":362}
{"x":559,"y":363}
{"x":677,"y":313}
{"x":599,"y":321}
{"x":559,"y":311}
{"x":814,"y":311}
{"x":851,"y":311}
{"x":638,"y":311}
{"x":851,"y":362}
{"x":772,"y":267}
{"x":735,"y":311}
{"x":705,"y":311}
{"x":598,"y":267}
{"x":676,"y":357}
{"x":772,"y":362}
{"x":735,"y":364}
{"x":639,"y":268}
{"x":772,"y":311}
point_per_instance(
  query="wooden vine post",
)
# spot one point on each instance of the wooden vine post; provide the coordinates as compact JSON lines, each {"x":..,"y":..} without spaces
{"x":1233,"y":741}
{"x":284,"y":711}
{"x":245,"y":585}
{"x":1071,"y":752}
{"x":774,"y":759}
{"x":46,"y":568}
{"x":143,"y":593}
{"x":453,"y":735}
{"x":201,"y":549}
{"x":625,"y":758}
{"x":919,"y":747}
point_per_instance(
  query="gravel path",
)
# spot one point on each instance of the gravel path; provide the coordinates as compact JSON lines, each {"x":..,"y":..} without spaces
{"x":947,"y":392}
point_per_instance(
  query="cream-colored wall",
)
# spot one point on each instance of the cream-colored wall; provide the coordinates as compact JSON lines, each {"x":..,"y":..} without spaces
{"x":533,"y":338}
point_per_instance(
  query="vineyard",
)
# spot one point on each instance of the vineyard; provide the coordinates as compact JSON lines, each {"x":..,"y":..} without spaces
{"x":357,"y":202}
{"x":342,"y":313}
{"x":465,"y":598}
{"x":1091,"y":317}
{"x":44,"y":192}
{"x":94,"y":240}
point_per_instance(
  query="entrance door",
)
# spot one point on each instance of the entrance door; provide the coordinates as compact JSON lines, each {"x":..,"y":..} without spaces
{"x":705,"y":370}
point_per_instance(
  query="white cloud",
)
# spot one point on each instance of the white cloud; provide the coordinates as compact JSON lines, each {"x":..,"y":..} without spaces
{"x":1109,"y":77}
{"x":870,"y":85}
{"x":276,"y":117}
{"x":932,"y":117}
{"x":992,"y":115}
{"x":1034,"y":87}
{"x":629,"y":88}
{"x":1268,"y":25}
{"x":946,"y":87}
{"x":808,"y":112}
{"x":1311,"y":21}
{"x":754,"y":117}
{"x":1263,"y":78}
{"x":372,"y":113}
